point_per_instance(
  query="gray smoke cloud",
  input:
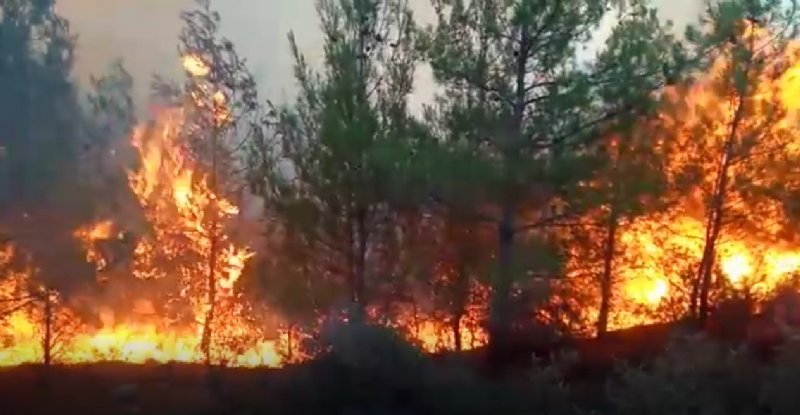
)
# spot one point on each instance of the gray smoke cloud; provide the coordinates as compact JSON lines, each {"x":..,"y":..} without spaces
{"x":144,"y":33}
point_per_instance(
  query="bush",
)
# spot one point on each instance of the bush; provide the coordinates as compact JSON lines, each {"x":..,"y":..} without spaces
{"x":369,"y":369}
{"x":779,"y":391}
{"x":548,"y":394}
{"x":362,"y":369}
{"x":694,"y":376}
{"x":372,"y":370}
{"x":373,"y":350}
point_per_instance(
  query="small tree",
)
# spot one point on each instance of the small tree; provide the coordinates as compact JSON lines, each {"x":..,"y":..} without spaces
{"x":627,"y":185}
{"x":219,"y":100}
{"x":21,"y":295}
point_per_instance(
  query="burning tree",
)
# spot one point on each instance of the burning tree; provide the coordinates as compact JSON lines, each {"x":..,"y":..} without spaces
{"x":628,"y":184}
{"x":512,"y":75}
{"x":743,"y":128}
{"x":41,"y":144}
{"x":219,"y":97}
{"x":35,"y":324}
{"x":455,"y":255}
{"x":167,"y":279}
{"x":728,"y":177}
{"x":41,"y":150}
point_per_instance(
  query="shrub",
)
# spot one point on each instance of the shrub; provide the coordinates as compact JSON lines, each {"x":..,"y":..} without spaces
{"x":694,"y":376}
{"x":779,"y":391}
{"x":368,"y":369}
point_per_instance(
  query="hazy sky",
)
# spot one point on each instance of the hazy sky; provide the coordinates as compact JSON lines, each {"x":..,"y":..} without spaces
{"x":144,"y":33}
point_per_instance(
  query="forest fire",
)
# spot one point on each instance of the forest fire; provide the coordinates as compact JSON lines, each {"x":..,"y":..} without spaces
{"x":740,"y":147}
{"x":185,"y":262}
{"x":657,"y":256}
{"x":507,"y":206}
{"x":175,"y":200}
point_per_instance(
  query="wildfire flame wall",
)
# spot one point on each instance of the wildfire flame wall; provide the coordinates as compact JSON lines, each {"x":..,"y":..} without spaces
{"x":159,"y":301}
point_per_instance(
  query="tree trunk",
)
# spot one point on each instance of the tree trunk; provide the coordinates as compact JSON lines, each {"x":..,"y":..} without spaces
{"x":47,"y":342}
{"x":694,"y":296}
{"x":499,"y":318}
{"x":358,"y":248}
{"x":714,"y":221}
{"x":608,"y":269}
{"x":706,"y":267}
{"x":460,"y":298}
{"x":415,"y":320}
{"x":455,"y":326}
{"x":289,"y":345}
{"x":45,"y":380}
{"x":357,"y":222}
{"x":211,"y":286}
{"x":211,"y":282}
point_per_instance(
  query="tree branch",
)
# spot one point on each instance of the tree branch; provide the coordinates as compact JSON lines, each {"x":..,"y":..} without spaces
{"x":12,"y":310}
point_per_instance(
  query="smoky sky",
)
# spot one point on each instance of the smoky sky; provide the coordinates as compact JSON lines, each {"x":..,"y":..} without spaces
{"x":144,"y":34}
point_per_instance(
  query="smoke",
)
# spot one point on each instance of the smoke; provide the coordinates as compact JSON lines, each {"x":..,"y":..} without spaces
{"x":145,"y":33}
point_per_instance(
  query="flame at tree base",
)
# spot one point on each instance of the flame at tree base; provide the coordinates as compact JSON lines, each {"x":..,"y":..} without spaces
{"x":135,"y":343}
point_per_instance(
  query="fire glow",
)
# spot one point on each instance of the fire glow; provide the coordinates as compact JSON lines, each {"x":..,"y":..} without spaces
{"x":656,"y":253}
{"x":176,"y":200}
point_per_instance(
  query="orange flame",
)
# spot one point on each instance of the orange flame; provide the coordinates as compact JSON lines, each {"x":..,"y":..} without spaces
{"x":196,"y":66}
{"x":176,"y":201}
{"x":657,"y":253}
